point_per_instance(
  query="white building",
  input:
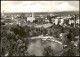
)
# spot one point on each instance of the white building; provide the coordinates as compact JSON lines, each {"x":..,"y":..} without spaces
{"x":56,"y":21}
{"x":61,"y":21}
{"x":31,"y":19}
{"x":77,"y":21}
{"x":71,"y":21}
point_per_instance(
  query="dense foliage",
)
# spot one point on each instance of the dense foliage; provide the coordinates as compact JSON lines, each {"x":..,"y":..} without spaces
{"x":13,"y":38}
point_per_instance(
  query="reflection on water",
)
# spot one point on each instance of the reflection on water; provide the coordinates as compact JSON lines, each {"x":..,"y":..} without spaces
{"x":36,"y":47}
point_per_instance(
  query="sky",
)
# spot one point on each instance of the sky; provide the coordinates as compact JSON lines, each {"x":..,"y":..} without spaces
{"x":39,"y":6}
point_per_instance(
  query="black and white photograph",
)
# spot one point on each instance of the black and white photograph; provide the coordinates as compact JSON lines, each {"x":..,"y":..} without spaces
{"x":40,"y":28}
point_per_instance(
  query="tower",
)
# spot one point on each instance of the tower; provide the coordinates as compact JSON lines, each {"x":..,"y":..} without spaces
{"x":32,"y":15}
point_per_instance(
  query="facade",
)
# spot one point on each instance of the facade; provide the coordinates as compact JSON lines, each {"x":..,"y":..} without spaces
{"x":31,"y":19}
{"x":56,"y":21}
{"x":77,"y":21}
{"x":61,"y":21}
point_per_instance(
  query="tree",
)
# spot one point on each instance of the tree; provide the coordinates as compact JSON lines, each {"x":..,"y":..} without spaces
{"x":56,"y":30}
{"x":8,"y":42}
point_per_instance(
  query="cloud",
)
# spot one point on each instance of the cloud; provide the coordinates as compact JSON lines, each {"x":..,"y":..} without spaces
{"x":65,"y":7}
{"x":74,"y":4}
{"x":39,"y":6}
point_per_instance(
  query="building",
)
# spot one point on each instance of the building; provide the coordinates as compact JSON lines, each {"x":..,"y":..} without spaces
{"x":77,"y":21}
{"x":56,"y":21}
{"x":31,"y":19}
{"x":10,"y":21}
{"x":46,"y":20}
{"x":61,"y":21}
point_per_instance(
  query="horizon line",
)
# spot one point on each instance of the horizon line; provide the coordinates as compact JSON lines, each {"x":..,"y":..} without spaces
{"x":37,"y":12}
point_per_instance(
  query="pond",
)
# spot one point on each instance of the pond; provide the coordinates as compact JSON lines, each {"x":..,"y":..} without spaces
{"x":36,"y":47}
